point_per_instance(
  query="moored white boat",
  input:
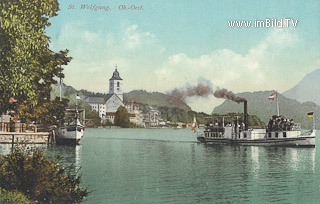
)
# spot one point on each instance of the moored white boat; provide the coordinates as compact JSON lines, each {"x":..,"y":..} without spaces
{"x":69,"y":134}
{"x":72,"y":131}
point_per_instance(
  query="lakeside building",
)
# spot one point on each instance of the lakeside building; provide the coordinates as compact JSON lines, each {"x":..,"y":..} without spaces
{"x":131,"y":106}
{"x":136,"y":116}
{"x":152,"y":118}
{"x":107,"y":106}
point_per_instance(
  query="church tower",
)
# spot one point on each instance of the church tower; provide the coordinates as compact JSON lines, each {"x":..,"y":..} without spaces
{"x":115,"y":84}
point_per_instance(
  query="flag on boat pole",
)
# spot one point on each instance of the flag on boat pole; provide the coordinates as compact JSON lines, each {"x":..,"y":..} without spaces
{"x":310,"y":115}
{"x":272,"y":96}
{"x":194,"y":124}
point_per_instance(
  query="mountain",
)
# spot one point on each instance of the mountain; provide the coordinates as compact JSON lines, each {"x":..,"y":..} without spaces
{"x":68,"y":91}
{"x":307,"y":89}
{"x":259,"y":105}
{"x":154,"y":99}
{"x":139,"y":96}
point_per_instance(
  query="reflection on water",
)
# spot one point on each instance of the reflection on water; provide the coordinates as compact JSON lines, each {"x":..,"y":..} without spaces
{"x":169,"y":166}
{"x":262,"y":174}
{"x":255,"y":161}
{"x":70,"y":155}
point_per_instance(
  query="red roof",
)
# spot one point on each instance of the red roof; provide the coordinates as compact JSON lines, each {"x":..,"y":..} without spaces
{"x":130,"y":103}
{"x":110,"y":114}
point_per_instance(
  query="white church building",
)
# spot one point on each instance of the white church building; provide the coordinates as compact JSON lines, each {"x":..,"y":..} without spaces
{"x":107,"y":106}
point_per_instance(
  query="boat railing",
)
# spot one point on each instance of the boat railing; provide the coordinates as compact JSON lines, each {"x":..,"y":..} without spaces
{"x":200,"y":134}
{"x":296,"y":126}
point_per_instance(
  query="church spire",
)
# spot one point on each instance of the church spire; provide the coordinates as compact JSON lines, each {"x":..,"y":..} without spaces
{"x":116,"y":75}
{"x":115,"y":84}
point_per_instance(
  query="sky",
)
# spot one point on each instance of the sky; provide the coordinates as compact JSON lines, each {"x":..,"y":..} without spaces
{"x":160,"y":45}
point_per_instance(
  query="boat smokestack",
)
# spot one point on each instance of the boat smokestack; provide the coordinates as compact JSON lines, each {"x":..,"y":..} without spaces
{"x":245,"y":115}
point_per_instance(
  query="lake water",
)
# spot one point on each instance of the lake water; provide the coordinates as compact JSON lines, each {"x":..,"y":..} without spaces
{"x":169,"y":166}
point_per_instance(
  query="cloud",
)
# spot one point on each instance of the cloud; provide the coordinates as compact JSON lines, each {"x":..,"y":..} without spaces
{"x":228,"y":69}
{"x":90,"y":36}
{"x":256,"y":70}
{"x":95,"y":54}
{"x":132,"y":38}
{"x":69,"y":32}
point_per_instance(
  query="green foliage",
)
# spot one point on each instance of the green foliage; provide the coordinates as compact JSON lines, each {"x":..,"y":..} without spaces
{"x":172,"y":110}
{"x":39,"y":178}
{"x":94,"y":116}
{"x":49,"y":112}
{"x":155,"y":99}
{"x":253,"y":120}
{"x":133,"y":125}
{"x":179,"y":115}
{"x":28,"y":67}
{"x":107,"y":123}
{"x":70,"y":92}
{"x":122,"y":118}
{"x":9,"y":197}
{"x":84,"y":92}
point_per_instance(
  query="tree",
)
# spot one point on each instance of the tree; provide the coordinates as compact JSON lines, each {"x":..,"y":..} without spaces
{"x":94,"y":116}
{"x":8,"y":197}
{"x":122,"y":118}
{"x":49,"y":112}
{"x":40,"y":178}
{"x":28,"y":67}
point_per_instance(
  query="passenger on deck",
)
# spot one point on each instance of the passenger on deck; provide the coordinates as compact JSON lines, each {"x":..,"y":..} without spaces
{"x":291,"y":124}
{"x":287,"y":124}
{"x":282,"y":124}
{"x":270,"y":124}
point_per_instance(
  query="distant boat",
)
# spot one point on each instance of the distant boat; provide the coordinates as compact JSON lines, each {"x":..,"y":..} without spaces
{"x":178,"y":127}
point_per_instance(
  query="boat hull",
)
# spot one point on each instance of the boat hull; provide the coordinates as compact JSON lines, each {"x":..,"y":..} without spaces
{"x":68,"y":135}
{"x":286,"y":142}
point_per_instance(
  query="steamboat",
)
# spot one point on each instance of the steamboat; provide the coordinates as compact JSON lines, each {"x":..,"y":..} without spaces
{"x":72,"y":131}
{"x":280,"y":132}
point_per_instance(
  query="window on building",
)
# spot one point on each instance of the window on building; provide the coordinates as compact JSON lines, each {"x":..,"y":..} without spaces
{"x":118,"y":84}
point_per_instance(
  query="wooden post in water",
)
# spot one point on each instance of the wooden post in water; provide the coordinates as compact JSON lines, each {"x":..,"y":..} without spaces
{"x":50,"y":137}
{"x":12,"y":141}
{"x":53,"y":139}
